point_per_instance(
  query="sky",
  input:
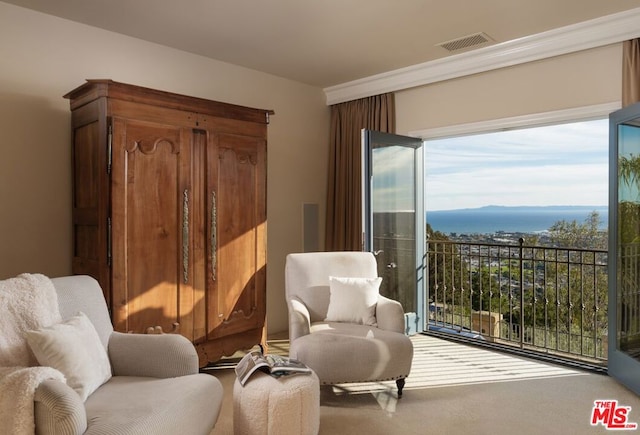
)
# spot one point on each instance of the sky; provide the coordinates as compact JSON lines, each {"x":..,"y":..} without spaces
{"x":553,"y":165}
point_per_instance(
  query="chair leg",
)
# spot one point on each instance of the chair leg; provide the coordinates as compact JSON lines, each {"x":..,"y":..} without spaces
{"x":400,"y":384}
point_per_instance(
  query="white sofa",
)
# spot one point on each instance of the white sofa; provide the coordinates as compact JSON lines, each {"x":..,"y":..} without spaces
{"x":338,"y":351}
{"x":156,"y":386}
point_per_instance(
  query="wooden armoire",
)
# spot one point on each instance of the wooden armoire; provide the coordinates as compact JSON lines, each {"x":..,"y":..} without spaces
{"x":169,"y":212}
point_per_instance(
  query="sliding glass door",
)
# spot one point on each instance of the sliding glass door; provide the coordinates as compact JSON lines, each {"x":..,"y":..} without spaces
{"x":624,"y":247}
{"x":394,"y":217}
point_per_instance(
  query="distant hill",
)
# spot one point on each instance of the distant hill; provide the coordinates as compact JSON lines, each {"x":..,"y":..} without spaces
{"x":525,"y":208}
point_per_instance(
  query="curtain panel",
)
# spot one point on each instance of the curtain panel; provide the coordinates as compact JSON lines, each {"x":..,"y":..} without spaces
{"x":630,"y":72}
{"x":344,"y":201}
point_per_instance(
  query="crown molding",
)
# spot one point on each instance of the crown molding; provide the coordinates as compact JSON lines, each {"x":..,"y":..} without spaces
{"x":598,"y":32}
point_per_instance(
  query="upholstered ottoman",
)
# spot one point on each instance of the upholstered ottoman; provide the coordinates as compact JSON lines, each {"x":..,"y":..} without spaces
{"x":288,"y":405}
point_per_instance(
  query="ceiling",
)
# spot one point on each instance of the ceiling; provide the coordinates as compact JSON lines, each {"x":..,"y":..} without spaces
{"x":325,"y":42}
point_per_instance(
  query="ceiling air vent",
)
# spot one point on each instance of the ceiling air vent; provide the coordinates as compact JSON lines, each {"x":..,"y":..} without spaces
{"x":466,"y":42}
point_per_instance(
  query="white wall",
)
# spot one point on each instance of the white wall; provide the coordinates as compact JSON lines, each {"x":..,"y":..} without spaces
{"x":579,"y":79}
{"x":43,"y":57}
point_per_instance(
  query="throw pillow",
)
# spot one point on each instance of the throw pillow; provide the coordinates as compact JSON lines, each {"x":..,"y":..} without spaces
{"x":74,"y":348}
{"x":353,"y":300}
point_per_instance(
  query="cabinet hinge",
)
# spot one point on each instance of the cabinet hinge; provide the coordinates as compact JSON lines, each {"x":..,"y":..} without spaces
{"x":109,"y":148}
{"x":267,"y":116}
{"x":109,"y":262}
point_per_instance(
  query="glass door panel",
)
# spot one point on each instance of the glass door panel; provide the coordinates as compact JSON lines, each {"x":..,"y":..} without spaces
{"x":624,"y":247}
{"x":394,"y":218}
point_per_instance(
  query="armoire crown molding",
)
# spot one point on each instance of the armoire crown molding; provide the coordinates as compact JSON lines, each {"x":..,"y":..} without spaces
{"x":598,"y":32}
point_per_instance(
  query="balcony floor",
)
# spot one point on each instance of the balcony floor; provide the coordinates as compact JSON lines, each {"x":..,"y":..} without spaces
{"x":456,"y":388}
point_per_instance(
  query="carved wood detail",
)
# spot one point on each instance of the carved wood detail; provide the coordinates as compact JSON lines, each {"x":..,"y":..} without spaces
{"x":158,"y":329}
{"x":150,"y":147}
{"x":242,"y":156}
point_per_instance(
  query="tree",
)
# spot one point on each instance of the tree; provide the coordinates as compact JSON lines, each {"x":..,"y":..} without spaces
{"x":629,"y":169}
{"x":448,"y":274}
{"x":576,"y":281}
{"x":574,"y":235}
{"x":486,"y":294}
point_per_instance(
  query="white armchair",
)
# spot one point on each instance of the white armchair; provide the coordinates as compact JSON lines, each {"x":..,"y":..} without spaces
{"x":154,"y":383}
{"x":338,"y":350}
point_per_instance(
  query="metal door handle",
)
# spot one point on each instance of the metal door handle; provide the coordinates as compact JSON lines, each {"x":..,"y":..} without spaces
{"x":214,"y":236}
{"x":185,"y":235}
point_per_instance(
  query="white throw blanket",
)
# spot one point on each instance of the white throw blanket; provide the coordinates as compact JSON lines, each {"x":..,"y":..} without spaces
{"x":17,"y":388}
{"x":27,"y":302}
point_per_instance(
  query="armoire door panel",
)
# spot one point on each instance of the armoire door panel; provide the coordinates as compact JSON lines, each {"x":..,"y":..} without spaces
{"x":86,"y":174}
{"x":149,"y":198}
{"x":238,"y":304}
{"x":199,"y":234}
{"x":90,"y":186}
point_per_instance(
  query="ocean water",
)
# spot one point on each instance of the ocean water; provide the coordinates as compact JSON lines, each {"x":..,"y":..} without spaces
{"x":488,"y":220}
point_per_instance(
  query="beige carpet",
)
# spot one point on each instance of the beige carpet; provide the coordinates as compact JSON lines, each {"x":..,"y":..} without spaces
{"x":458,"y":389}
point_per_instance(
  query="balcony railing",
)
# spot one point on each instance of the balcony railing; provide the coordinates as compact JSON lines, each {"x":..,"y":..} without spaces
{"x":546,"y":299}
